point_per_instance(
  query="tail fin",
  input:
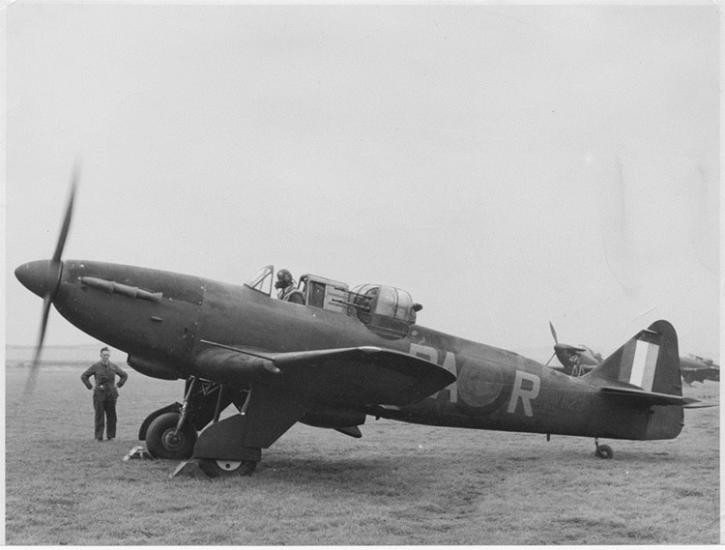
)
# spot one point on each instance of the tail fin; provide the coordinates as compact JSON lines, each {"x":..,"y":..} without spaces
{"x":645,"y":372}
{"x":649,"y":362}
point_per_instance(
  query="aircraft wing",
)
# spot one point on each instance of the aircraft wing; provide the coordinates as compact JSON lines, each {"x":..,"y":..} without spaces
{"x":351,"y":376}
{"x":653,"y":398}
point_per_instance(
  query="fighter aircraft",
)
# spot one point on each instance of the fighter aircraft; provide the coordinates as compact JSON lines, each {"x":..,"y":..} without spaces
{"x":343,"y":355}
{"x":698,"y":369}
{"x":578,"y":360}
{"x":575,"y":360}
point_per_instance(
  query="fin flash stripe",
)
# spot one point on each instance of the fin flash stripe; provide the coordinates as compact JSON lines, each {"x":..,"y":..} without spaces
{"x":644,"y":364}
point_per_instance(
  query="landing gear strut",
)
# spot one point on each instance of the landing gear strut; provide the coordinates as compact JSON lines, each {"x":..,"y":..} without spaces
{"x":602,"y":451}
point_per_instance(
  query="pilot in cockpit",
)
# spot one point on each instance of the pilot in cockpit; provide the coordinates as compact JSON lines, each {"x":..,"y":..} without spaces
{"x":286,"y":285}
{"x":575,"y":364}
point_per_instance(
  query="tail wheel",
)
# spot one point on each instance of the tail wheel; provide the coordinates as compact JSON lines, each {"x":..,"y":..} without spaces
{"x":227,"y":468}
{"x":163,"y":440}
{"x":604,"y":451}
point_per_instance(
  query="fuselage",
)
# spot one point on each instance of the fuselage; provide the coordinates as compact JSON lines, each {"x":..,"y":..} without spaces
{"x":161,"y":318}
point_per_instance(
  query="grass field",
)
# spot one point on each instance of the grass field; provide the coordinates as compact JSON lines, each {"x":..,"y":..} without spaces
{"x":400,"y":484}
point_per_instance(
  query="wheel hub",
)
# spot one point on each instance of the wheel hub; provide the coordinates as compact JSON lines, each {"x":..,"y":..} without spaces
{"x":228,"y":465}
{"x":173,"y":439}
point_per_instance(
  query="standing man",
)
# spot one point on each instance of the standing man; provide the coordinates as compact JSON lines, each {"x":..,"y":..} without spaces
{"x":105,"y":392}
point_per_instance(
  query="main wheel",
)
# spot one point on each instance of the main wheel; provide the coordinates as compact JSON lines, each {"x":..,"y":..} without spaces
{"x":227,"y":468}
{"x":604,"y":451}
{"x":164,"y":441}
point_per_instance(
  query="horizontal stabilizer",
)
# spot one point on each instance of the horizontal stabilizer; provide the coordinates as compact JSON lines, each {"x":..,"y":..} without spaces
{"x":699,"y":405}
{"x":650,"y":398}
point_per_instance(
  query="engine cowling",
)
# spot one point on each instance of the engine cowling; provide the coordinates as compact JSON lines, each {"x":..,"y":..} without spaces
{"x":152,"y":368}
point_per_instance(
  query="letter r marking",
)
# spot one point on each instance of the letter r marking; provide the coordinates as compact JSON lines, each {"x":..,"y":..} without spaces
{"x":527,"y":395}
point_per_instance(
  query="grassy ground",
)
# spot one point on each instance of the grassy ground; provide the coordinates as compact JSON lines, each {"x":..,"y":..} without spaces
{"x":400,"y":484}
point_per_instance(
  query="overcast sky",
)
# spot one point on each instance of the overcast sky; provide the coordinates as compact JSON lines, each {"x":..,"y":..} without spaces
{"x":506,"y":165}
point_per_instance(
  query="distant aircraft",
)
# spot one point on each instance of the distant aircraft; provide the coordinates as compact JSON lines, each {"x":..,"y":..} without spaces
{"x":578,"y":360}
{"x":697,"y":369}
{"x":575,"y":360}
{"x":341,"y":356}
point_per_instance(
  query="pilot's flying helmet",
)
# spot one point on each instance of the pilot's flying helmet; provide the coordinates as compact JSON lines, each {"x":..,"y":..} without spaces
{"x":284,"y":279}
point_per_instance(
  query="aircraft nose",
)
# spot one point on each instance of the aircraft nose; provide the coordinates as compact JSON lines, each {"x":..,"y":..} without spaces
{"x":41,"y":276}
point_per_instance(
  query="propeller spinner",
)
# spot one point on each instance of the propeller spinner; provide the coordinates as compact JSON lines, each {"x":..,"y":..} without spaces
{"x":43,"y":278}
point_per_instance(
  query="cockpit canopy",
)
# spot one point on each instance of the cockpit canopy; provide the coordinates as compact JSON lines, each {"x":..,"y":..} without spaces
{"x":262,"y":280}
{"x":386,"y":310}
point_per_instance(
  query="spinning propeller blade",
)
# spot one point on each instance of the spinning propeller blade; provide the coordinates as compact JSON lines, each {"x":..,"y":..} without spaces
{"x":553,"y":333}
{"x":30,"y":382}
{"x":67,"y":218}
{"x":46,"y":277}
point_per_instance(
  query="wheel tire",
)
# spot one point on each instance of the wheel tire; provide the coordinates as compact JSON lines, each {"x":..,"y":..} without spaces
{"x":604,"y":451}
{"x":227,"y":468}
{"x":163,"y":441}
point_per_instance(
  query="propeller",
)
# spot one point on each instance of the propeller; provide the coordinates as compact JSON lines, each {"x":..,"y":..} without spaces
{"x":53,"y":270}
{"x":553,"y":332}
{"x":561,"y":347}
{"x":556,"y":343}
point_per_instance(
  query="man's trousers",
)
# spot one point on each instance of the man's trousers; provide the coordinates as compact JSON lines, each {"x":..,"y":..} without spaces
{"x":105,"y":414}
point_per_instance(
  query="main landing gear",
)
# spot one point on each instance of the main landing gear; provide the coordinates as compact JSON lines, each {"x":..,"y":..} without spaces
{"x":170,"y":437}
{"x":602,"y":451}
{"x":171,"y":432}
